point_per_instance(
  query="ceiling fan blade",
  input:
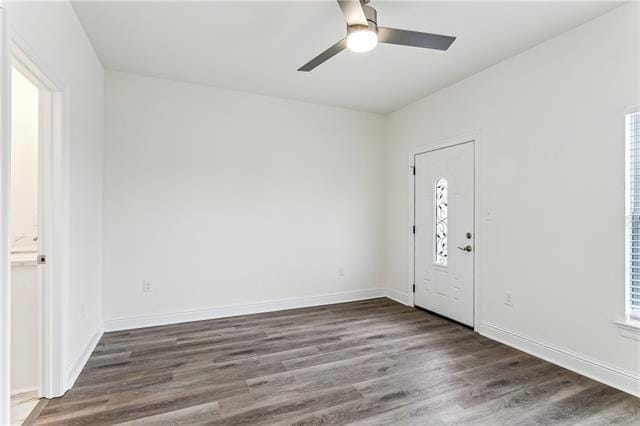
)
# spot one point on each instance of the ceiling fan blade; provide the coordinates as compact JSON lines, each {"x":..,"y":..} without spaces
{"x":352,"y":11}
{"x":414,"y":38}
{"x":325,"y":56}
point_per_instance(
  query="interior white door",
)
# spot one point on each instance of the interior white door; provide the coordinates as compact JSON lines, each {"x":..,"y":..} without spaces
{"x":444,"y":233}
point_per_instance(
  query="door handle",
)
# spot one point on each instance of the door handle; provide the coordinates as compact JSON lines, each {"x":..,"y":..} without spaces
{"x":466,"y":248}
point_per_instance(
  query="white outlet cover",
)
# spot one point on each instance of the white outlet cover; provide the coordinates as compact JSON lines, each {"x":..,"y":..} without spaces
{"x":508,"y":299}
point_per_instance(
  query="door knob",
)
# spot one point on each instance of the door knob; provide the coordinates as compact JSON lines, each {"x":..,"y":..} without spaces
{"x":467,"y":248}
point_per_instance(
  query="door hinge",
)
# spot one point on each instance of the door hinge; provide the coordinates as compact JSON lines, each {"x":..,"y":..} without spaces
{"x":414,"y":170}
{"x":414,"y":229}
{"x":414,"y":288}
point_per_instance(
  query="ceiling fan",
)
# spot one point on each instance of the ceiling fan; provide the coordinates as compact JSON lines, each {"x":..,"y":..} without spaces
{"x":363,"y":34}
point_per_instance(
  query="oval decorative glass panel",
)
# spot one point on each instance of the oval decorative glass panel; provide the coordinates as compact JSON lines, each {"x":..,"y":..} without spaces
{"x":440,"y":234}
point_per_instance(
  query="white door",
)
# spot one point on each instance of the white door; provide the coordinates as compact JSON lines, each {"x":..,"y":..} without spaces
{"x":444,"y":234}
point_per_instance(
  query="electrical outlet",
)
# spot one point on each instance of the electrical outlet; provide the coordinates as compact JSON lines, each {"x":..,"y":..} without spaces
{"x":146,"y":286}
{"x":508,"y":298}
{"x":341,"y":271}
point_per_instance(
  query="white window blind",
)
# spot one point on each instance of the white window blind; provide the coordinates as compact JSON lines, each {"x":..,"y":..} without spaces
{"x":633,"y":211}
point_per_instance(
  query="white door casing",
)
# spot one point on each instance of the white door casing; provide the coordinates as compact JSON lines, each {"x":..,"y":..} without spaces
{"x":5,"y":200}
{"x":444,"y":278}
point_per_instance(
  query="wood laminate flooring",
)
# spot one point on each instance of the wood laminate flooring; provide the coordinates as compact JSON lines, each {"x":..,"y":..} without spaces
{"x":369,"y":362}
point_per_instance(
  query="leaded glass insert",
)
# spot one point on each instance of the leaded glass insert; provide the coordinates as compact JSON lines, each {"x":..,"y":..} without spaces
{"x":440,"y":240}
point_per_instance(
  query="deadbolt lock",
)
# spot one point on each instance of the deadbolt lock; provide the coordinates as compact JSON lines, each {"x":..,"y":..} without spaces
{"x":468,"y":235}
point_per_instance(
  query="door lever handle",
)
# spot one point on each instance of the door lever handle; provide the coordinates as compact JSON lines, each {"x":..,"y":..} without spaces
{"x":466,"y":248}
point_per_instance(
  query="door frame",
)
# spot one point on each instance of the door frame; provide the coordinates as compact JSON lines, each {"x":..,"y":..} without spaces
{"x":51,"y":226}
{"x":436,"y":146}
{"x":52,"y":209}
{"x":5,"y":201}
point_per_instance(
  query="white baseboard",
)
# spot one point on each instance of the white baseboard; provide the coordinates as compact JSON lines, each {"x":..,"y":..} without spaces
{"x":398,"y":296}
{"x":624,"y":380}
{"x":82,"y":360}
{"x":116,"y":324}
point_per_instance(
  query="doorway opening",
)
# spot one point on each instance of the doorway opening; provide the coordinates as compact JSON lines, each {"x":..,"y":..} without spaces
{"x":25,"y":282}
{"x":37,"y":237}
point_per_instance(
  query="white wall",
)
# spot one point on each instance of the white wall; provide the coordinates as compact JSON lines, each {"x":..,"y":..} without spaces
{"x":222,"y":198}
{"x":53,"y":38}
{"x":550,"y":129}
{"x":24,"y":162}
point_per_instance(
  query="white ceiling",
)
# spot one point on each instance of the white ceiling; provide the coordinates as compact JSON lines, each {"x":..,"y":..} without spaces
{"x":257,"y":46}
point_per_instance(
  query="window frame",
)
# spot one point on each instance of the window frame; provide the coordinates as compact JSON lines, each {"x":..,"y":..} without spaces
{"x":631,"y":312}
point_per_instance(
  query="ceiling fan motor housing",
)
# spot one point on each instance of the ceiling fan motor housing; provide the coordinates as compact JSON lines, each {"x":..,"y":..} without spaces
{"x":372,"y":20}
{"x":370,"y":13}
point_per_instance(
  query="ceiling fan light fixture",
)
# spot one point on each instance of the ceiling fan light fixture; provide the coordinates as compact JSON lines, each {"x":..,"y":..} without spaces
{"x":361,"y":38}
{"x":363,"y":34}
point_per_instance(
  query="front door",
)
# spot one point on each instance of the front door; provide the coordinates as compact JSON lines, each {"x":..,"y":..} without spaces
{"x":444,"y":233}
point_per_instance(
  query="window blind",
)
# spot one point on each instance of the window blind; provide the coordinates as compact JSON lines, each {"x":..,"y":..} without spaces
{"x":633,"y":210}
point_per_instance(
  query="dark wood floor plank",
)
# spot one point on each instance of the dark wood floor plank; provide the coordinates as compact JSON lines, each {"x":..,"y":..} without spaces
{"x":580,"y":407}
{"x":197,"y":414}
{"x":385,"y":394}
{"x":285,"y":408}
{"x":367,"y":362}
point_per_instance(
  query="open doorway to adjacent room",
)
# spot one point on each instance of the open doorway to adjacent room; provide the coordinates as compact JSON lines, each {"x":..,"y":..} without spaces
{"x":25,"y":282}
{"x":36,"y":253}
